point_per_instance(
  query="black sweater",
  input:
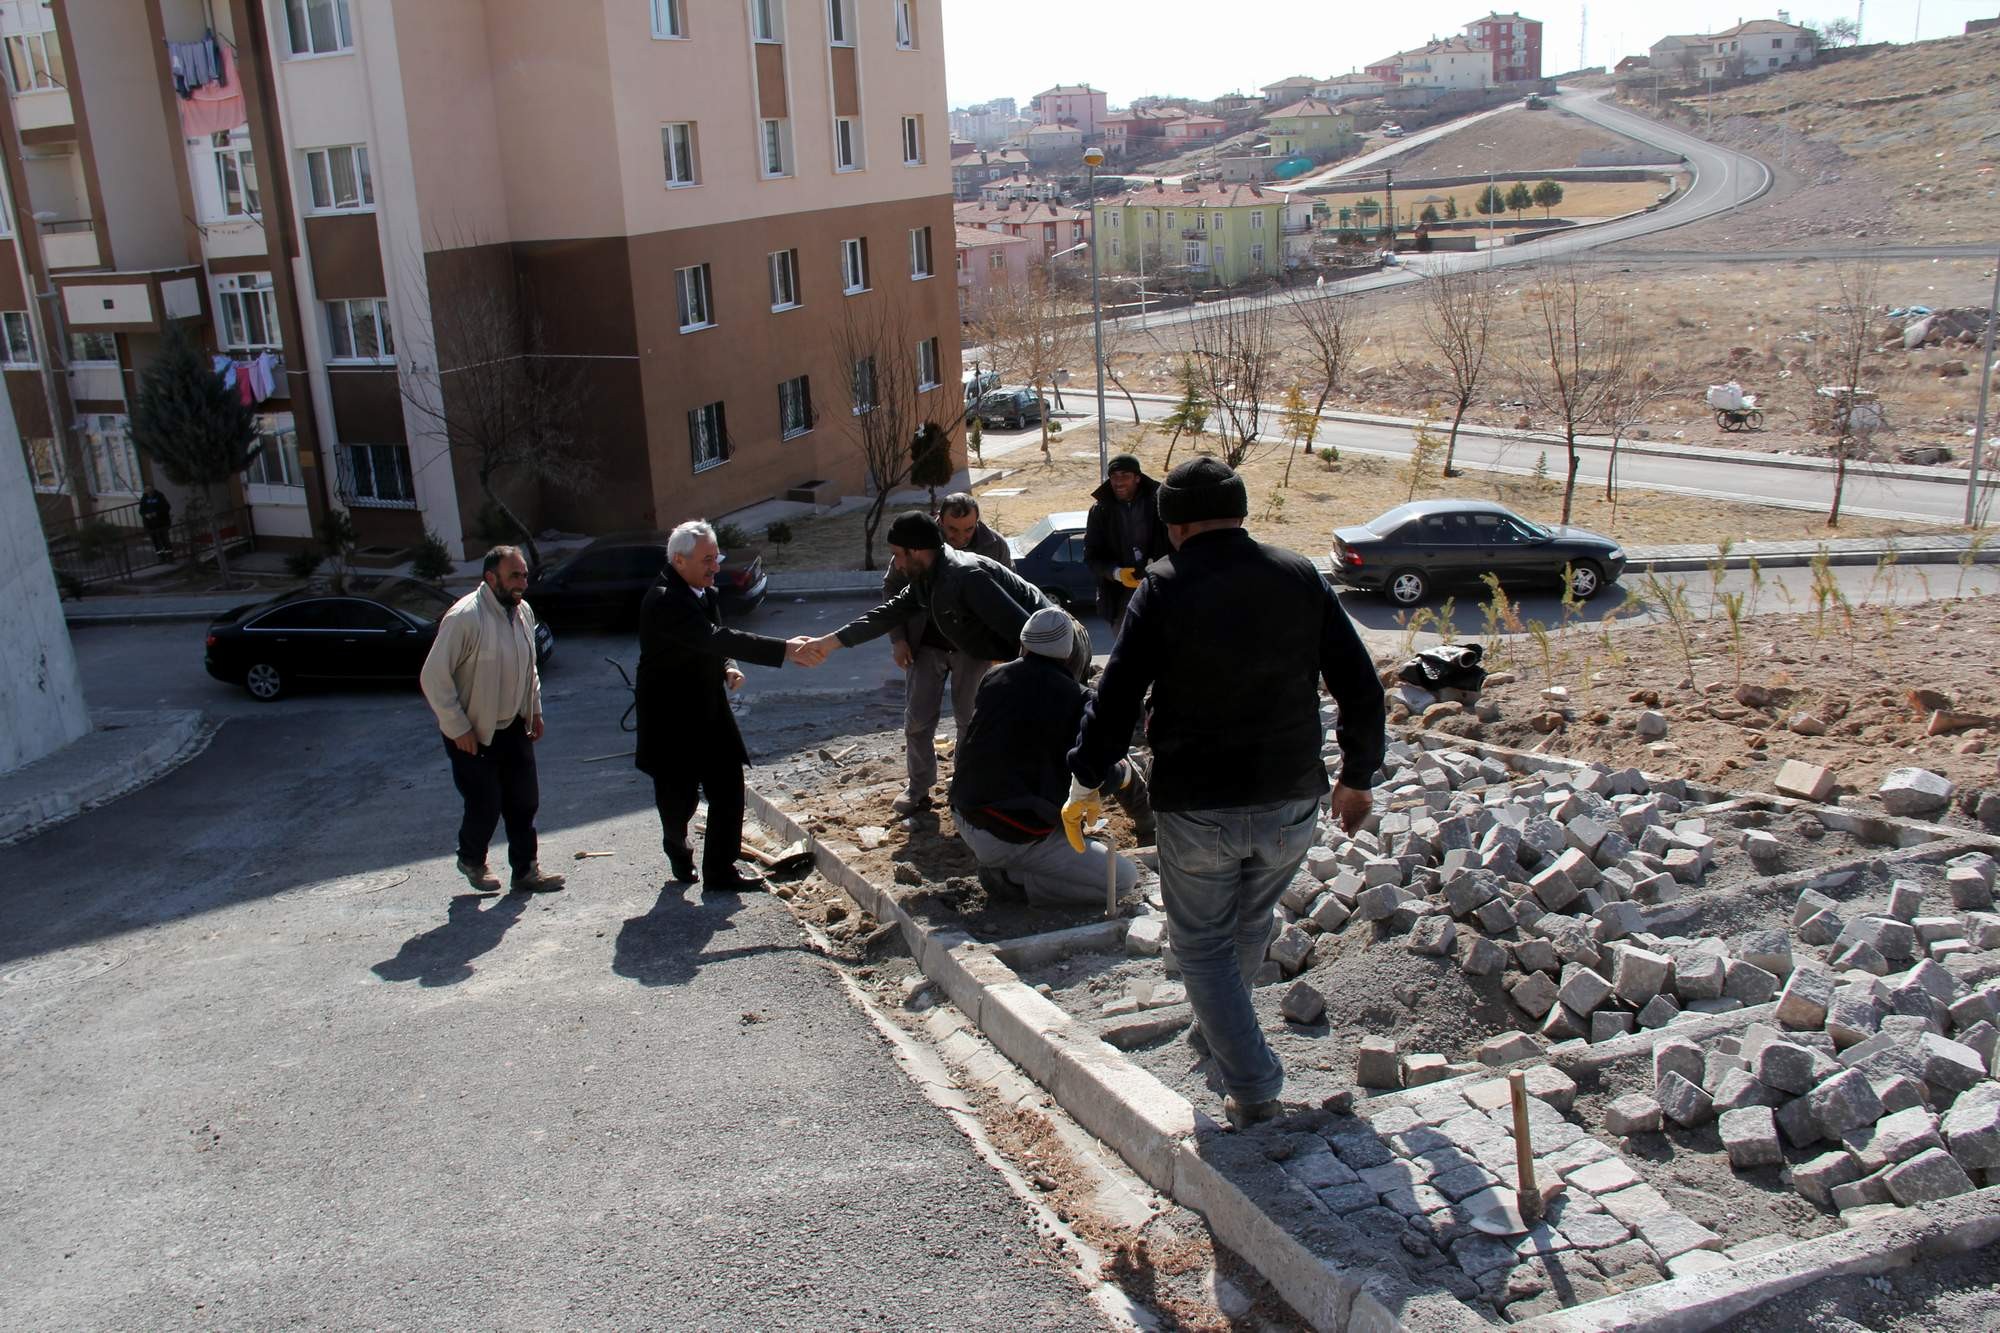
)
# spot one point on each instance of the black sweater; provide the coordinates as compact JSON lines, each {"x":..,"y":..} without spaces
{"x":1234,"y":637}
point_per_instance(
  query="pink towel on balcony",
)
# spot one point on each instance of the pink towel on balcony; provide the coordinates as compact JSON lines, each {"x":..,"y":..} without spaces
{"x":215,"y":107}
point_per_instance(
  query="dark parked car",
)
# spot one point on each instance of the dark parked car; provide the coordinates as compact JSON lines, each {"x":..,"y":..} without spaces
{"x":601,"y":585}
{"x":1050,"y":556}
{"x":1414,"y":548}
{"x":375,"y":628}
{"x":1011,"y":408}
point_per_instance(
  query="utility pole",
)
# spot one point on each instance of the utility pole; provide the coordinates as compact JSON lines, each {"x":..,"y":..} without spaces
{"x":1389,"y":186}
{"x":1985,"y":386}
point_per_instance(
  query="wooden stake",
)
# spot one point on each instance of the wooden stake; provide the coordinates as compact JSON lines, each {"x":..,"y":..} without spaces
{"x":1527,"y":1196}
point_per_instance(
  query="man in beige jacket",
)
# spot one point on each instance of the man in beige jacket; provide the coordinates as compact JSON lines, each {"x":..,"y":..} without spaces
{"x":481,"y":681}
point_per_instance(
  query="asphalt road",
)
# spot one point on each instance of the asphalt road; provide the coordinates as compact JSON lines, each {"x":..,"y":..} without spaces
{"x":262,"y":1064}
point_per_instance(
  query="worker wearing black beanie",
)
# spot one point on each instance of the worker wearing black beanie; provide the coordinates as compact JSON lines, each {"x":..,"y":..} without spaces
{"x":1203,"y":488}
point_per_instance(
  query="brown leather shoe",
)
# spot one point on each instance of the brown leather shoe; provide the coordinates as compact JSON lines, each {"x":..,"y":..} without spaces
{"x":538,"y":881}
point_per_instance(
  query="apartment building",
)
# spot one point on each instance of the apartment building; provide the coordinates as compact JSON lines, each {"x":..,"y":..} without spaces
{"x":680,"y":204}
{"x":1516,"y":44}
{"x":1227,"y":232}
{"x":1078,"y":105}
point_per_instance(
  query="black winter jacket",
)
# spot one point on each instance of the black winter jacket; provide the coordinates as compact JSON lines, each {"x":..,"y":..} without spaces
{"x":978,"y":604}
{"x":1102,"y":550}
{"x":1013,"y":757}
{"x":986,"y":542}
{"x":1234,"y":637}
{"x":683,"y":700}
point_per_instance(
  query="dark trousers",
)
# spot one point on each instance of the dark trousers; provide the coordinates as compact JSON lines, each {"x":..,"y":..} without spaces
{"x":1112,"y":598}
{"x":721,"y":780}
{"x":498,"y":783}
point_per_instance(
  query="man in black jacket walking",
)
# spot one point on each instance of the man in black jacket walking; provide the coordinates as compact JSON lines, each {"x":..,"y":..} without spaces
{"x":1122,"y":534}
{"x":1233,"y":637}
{"x":929,"y":659}
{"x":688,"y":742}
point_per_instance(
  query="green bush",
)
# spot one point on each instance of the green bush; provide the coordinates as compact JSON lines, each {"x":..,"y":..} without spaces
{"x":731,"y":537}
{"x":433,"y":559}
{"x":97,"y":538}
{"x":303,"y":564}
{"x":778,"y":533}
{"x":68,"y":586}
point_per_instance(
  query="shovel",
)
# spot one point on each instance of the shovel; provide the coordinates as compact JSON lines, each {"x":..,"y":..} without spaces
{"x":797,"y":856}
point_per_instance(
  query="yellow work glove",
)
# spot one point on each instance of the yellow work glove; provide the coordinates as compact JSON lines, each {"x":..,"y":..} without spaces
{"x":1129,"y":576}
{"x":1084,"y":806}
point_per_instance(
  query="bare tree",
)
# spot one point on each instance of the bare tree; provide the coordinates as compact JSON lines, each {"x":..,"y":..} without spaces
{"x":1456,"y":320}
{"x":876,"y":354}
{"x":495,"y":392}
{"x":1236,"y":360}
{"x":1125,"y":340}
{"x":1840,"y":345}
{"x":1329,"y":341}
{"x":1627,"y":399}
{"x":1579,"y":346}
{"x":1031,"y":331}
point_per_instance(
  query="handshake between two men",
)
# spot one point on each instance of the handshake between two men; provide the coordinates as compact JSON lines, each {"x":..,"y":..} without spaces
{"x":806,"y":651}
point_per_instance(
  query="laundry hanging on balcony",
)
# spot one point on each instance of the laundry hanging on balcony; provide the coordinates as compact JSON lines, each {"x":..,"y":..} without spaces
{"x":217,"y":106}
{"x":195,"y":63}
{"x":253,"y":380}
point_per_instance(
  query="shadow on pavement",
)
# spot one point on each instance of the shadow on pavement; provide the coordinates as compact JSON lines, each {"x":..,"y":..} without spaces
{"x":667,"y":945}
{"x":442,"y":955}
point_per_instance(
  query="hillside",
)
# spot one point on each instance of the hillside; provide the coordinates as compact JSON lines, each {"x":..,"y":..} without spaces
{"x":1900,"y":145}
{"x":1522,"y":142}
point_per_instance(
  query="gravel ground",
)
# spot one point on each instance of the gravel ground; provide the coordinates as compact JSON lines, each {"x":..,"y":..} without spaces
{"x":1958,"y":1292}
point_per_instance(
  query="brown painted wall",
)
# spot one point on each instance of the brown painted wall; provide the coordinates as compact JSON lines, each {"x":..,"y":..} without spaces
{"x":31,"y":405}
{"x":770,"y":79}
{"x":13,"y":296}
{"x":846,"y":82}
{"x":346,"y":256}
{"x":367,"y":406}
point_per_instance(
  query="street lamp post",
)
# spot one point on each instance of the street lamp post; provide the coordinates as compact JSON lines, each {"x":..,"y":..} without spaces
{"x":1093,"y":158}
{"x":1492,"y":172}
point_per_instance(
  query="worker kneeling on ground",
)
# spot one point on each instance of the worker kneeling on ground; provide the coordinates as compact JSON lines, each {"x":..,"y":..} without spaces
{"x":1012,"y":772}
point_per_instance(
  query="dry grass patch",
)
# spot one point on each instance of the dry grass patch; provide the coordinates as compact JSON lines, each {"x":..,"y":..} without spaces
{"x":1581,"y":199}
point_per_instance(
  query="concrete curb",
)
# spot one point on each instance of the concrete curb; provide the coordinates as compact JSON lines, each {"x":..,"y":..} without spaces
{"x":1155,"y":1130}
{"x":1704,"y":1300}
{"x":182,"y":736}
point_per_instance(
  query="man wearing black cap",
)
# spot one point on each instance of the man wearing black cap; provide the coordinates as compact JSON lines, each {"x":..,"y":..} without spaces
{"x":1232,"y":637}
{"x":978,"y":605}
{"x":1123,"y":535}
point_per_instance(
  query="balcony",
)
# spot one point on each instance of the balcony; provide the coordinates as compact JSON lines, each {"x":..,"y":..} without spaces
{"x":1297,"y":228}
{"x":1194,"y":233}
{"x":70,"y":243}
{"x":45,"y":114}
{"x":233,"y":238}
{"x":138,"y":301}
{"x":96,"y":384}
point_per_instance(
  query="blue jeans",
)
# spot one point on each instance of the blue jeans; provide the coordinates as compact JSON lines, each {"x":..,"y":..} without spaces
{"x":1221,"y":872}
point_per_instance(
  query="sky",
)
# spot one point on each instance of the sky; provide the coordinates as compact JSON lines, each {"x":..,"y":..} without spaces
{"x":1201,"y":48}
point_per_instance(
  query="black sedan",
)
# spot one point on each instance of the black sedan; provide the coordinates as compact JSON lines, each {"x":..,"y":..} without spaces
{"x":1010,"y":409}
{"x":1414,"y":548}
{"x":1050,"y":556}
{"x":375,"y":628}
{"x":602,"y":585}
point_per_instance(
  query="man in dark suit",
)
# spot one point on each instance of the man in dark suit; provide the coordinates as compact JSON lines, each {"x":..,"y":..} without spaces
{"x":688,"y":741}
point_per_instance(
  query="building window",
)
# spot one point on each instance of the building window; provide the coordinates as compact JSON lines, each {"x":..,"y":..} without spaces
{"x":708,"y":437}
{"x":920,"y":252}
{"x":784,"y":279}
{"x":795,"y":406}
{"x":110,"y":462}
{"x":20,"y":349}
{"x":927,"y":364}
{"x":377,"y":476}
{"x":34,"y":62}
{"x":864,"y":385}
{"x":1115,"y":221}
{"x":45,"y":465}
{"x":913,"y":141}
{"x":764,"y":20}
{"x":1191,"y":254}
{"x":996,"y":261}
{"x":1256,"y":256}
{"x":319,"y":27}
{"x":846,"y":144}
{"x":338,"y":179}
{"x":1114,"y":247}
{"x":854,"y":265}
{"x":840,"y":22}
{"x":670,"y":18}
{"x":359,"y":330}
{"x":249,"y":313}
{"x":1201,"y":222}
{"x":1170,"y":222}
{"x":677,"y":147}
{"x":1257,"y":220}
{"x":236,"y":177}
{"x":97,"y":349}
{"x":277,"y":462}
{"x":692,"y":290}
{"x":777,"y":145}
{"x":906,"y":26}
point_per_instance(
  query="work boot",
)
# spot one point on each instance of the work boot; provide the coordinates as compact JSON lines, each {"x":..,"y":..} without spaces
{"x":535,"y":880}
{"x":911,"y":803}
{"x":681,"y":862}
{"x":1244,"y":1114}
{"x":739,"y":879}
{"x":1000,"y":886}
{"x":479,"y":877}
